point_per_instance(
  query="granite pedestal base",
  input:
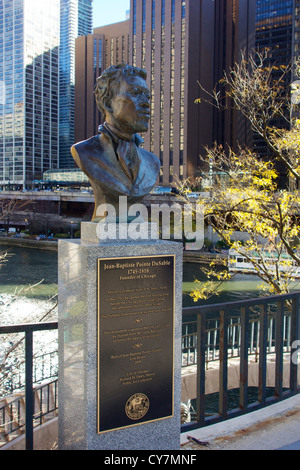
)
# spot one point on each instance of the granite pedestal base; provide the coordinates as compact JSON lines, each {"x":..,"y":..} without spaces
{"x":87,"y":380}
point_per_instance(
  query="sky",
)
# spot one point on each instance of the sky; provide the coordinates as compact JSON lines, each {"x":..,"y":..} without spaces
{"x":109,"y":11}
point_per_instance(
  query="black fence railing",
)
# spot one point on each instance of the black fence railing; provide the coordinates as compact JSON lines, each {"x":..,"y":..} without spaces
{"x":28,"y":329}
{"x":12,"y":377}
{"x":13,"y":412}
{"x":219,"y":332}
{"x":263,"y":326}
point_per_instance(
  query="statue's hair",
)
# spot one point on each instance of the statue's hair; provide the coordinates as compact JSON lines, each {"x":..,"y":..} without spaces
{"x":108,"y":84}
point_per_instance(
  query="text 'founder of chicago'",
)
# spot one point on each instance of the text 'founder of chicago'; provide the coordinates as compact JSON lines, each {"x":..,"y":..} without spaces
{"x":114,"y":162}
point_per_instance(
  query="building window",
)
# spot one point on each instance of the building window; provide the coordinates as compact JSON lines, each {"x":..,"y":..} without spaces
{"x":182,"y":77}
{"x":134,"y":34}
{"x":111,"y":51}
{"x":162,"y":74}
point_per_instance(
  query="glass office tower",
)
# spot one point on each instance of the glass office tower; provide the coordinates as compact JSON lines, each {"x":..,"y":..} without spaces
{"x":275,"y":30}
{"x":296,"y":34}
{"x":76,"y":19}
{"x":29,"y":40}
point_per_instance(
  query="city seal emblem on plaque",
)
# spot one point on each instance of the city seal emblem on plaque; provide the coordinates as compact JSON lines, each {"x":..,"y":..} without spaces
{"x":137,"y":406}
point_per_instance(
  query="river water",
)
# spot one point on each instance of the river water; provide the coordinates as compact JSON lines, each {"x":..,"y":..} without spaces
{"x":28,"y":291}
{"x":31,"y":274}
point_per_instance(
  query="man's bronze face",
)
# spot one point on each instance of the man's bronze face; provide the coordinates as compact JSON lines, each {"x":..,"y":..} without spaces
{"x":130,"y":109}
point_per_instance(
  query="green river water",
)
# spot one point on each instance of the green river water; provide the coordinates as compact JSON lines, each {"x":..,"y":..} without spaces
{"x":27,"y":267}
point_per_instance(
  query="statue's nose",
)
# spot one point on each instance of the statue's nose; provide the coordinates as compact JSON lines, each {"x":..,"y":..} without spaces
{"x":145,"y":104}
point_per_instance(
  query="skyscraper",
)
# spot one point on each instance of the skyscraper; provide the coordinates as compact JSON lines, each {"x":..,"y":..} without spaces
{"x":277,"y":30}
{"x":76,"y":19}
{"x":296,"y":30}
{"x":108,"y":45}
{"x":274,"y":30}
{"x":181,"y":43}
{"x":29,"y":42}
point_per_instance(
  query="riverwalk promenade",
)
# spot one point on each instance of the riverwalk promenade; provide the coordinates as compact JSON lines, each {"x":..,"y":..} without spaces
{"x":276,"y":427}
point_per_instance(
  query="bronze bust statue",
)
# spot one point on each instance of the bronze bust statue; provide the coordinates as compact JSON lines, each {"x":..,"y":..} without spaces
{"x":113,"y":161}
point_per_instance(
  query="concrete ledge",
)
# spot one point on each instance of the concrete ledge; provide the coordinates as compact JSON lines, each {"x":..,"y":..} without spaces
{"x":44,"y":438}
{"x":189,"y":375}
{"x":234,"y":430}
{"x":29,"y":243}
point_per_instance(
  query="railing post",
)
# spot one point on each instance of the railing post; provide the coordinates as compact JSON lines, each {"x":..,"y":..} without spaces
{"x":295,"y":337}
{"x":28,"y":329}
{"x":200,"y":399}
{"x":279,"y":349}
{"x":29,"y":403}
{"x":244,"y":358}
{"x":263,"y":335}
{"x":223,"y":372}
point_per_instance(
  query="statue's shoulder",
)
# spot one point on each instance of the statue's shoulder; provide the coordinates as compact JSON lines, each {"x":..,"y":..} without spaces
{"x":94,"y":146}
{"x":151,"y":158}
{"x":89,"y":144}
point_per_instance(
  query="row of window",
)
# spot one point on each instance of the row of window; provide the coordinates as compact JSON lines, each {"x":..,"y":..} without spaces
{"x":163,"y":62}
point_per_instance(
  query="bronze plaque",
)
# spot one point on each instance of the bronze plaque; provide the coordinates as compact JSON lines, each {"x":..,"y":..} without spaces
{"x":135,"y":340}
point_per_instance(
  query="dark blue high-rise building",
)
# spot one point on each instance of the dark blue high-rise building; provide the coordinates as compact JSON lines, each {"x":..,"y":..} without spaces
{"x":275,"y":30}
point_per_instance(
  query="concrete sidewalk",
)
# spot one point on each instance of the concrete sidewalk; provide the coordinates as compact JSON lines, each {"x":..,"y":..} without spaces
{"x":276,"y":427}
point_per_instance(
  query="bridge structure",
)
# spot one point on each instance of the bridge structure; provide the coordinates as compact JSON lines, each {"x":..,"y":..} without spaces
{"x":57,"y":207}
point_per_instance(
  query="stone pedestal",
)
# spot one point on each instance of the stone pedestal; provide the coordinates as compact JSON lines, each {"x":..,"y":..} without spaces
{"x":120,"y":308}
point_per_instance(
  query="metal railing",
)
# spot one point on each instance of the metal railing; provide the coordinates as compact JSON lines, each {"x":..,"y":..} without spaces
{"x":240,"y":329}
{"x":28,"y":329}
{"x":45,"y":367}
{"x":189,"y":337}
{"x":13,"y":412}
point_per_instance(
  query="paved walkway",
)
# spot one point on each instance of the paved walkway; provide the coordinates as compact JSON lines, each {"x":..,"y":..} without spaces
{"x":276,"y":427}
